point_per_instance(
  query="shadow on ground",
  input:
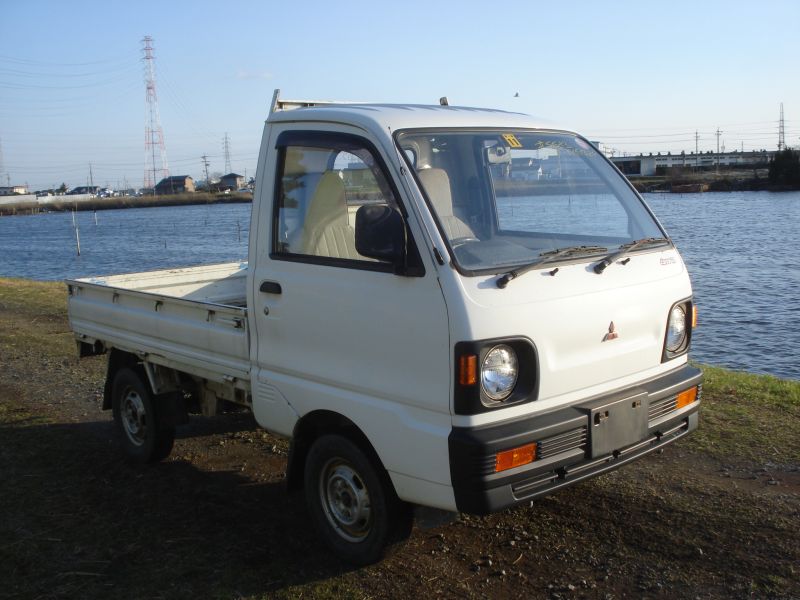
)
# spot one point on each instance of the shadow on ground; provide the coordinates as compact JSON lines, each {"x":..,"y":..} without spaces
{"x":79,"y":521}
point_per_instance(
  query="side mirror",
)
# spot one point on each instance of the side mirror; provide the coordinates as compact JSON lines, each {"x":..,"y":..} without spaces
{"x":381,"y":234}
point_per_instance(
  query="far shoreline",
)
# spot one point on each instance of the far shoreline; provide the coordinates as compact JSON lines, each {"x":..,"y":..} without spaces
{"x":64,"y":204}
{"x":644,"y":185}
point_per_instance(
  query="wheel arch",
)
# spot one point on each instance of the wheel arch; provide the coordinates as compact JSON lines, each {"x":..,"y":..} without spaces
{"x":316,"y":424}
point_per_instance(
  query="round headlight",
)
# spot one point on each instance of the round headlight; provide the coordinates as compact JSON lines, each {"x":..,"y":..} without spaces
{"x":499,"y":372}
{"x":676,"y":329}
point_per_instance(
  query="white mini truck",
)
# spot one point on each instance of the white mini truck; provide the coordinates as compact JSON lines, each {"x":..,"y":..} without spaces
{"x":450,"y":307}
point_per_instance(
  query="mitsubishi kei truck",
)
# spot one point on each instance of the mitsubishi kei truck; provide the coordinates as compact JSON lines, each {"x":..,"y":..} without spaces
{"x":451,"y":307}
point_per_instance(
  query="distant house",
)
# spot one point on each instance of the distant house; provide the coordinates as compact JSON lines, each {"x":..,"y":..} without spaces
{"x":657,"y":164}
{"x":13,"y":190}
{"x":231,"y":181}
{"x":176,"y":184}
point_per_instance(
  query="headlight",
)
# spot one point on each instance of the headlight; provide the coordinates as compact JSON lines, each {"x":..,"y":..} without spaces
{"x":499,"y":372}
{"x":676,"y":329}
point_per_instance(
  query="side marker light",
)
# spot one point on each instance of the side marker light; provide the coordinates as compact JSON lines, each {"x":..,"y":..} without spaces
{"x":516,"y":457}
{"x":468,"y":369}
{"x":686,"y":397}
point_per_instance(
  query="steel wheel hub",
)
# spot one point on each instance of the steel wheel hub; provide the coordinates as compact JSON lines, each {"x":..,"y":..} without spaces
{"x":345,"y":499}
{"x":134,"y":417}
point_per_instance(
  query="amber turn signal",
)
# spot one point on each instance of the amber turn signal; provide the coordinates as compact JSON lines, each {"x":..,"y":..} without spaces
{"x":686,"y":397}
{"x":468,"y":369}
{"x":508,"y":459}
{"x":694,"y":316}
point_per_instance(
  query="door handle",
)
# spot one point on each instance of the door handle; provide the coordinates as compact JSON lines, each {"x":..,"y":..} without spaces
{"x":270,"y":287}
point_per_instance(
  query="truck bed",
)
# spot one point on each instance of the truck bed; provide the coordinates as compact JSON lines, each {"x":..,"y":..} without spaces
{"x":191,"y":319}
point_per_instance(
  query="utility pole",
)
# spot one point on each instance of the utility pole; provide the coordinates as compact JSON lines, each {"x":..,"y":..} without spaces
{"x":205,"y":166}
{"x":91,"y":179}
{"x":226,"y":146}
{"x":781,"y":133}
{"x":719,"y":133}
{"x":155,"y":167}
{"x":696,"y":151}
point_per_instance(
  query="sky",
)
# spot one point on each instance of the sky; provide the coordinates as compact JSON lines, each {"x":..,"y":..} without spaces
{"x":635,"y":76}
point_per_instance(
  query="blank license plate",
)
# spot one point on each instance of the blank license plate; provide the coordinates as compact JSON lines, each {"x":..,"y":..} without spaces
{"x":618,"y":424}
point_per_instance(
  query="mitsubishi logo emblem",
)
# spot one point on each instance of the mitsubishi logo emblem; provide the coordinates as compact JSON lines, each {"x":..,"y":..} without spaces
{"x":612,"y":333}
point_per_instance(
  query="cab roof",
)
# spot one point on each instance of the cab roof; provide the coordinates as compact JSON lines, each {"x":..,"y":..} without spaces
{"x":383,"y":117}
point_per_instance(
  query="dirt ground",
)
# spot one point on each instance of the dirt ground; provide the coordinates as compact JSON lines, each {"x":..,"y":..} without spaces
{"x":215,"y":520}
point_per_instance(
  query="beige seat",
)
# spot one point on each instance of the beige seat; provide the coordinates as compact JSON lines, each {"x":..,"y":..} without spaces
{"x":326,"y":231}
{"x":437,"y":186}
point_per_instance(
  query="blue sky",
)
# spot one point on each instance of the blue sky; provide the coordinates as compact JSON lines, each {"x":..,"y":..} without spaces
{"x":637,"y":76}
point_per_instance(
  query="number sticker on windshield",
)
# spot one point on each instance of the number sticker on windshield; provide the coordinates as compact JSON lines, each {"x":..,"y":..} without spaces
{"x":512,"y":140}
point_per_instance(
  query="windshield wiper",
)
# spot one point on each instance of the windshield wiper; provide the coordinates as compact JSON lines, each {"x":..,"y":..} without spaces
{"x":626,"y":249}
{"x":548,"y":257}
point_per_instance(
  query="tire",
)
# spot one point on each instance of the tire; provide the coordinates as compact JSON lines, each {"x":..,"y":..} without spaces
{"x":145,"y":438}
{"x":352,"y":501}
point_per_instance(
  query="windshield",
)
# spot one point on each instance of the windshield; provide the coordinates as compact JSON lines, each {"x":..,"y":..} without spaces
{"x":502,"y":198}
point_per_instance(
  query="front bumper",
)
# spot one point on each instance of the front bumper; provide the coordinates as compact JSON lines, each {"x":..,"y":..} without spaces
{"x":572,"y":444}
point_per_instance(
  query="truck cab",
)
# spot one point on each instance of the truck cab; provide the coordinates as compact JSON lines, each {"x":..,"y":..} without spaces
{"x":485,"y":298}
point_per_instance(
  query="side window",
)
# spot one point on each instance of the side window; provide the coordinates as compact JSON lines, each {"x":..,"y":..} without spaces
{"x":320,"y":189}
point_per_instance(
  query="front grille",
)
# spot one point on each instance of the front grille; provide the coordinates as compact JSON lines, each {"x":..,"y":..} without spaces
{"x":659,"y":408}
{"x":563,"y":442}
{"x":484,"y":465}
{"x":664,"y":406}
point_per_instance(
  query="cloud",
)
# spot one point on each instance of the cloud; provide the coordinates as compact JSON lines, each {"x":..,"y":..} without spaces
{"x":247,"y":74}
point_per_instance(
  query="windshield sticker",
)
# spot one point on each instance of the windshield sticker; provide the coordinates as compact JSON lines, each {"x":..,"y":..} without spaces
{"x":512,"y":140}
{"x":564,"y":147}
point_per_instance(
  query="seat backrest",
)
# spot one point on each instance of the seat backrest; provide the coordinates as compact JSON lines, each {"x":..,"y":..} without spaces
{"x":298,"y":185}
{"x":326,"y":230}
{"x":437,"y":186}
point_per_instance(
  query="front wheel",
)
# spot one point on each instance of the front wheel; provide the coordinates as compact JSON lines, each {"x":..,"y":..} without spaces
{"x":145,"y":437}
{"x":352,"y":502}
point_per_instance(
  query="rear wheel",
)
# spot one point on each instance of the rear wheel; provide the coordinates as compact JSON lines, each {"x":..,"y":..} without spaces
{"x":146,"y":439}
{"x":352,"y":501}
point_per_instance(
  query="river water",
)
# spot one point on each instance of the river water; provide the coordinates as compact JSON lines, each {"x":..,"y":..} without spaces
{"x":742,"y":258}
{"x":739,"y":248}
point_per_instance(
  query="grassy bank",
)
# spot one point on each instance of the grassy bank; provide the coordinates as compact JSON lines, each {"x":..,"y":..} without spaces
{"x":749,"y":418}
{"x":64,"y":204}
{"x":714,"y":516}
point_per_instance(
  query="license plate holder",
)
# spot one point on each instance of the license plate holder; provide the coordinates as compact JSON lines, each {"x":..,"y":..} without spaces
{"x":615,"y":424}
